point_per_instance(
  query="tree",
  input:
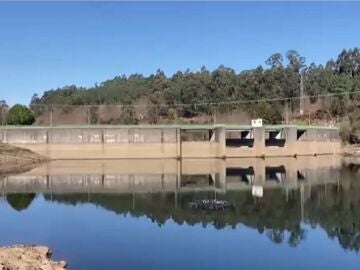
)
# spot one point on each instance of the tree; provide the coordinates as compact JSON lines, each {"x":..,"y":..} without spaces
{"x":296,"y":62}
{"x":20,"y":202}
{"x":223,"y":90}
{"x":268,"y":113}
{"x":3,"y":111}
{"x":275,"y":61}
{"x":20,"y":115}
{"x":348,"y":62}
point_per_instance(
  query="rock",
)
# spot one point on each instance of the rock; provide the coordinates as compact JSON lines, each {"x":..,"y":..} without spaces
{"x":28,"y":258}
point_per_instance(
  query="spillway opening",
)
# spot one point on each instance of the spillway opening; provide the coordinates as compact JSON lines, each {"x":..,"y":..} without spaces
{"x":243,"y":175}
{"x":277,"y":173}
{"x":275,"y":138}
{"x":239,"y":138}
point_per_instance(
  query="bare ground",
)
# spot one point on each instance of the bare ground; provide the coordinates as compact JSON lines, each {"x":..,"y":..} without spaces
{"x":351,"y":150}
{"x":28,"y":258}
{"x":16,"y":160}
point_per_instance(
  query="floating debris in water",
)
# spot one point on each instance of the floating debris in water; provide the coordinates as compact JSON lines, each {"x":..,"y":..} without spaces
{"x":211,"y":204}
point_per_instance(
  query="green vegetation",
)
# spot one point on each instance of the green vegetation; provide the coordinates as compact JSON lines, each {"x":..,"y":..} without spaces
{"x":20,"y":115}
{"x":204,"y":91}
{"x":20,"y":202}
{"x":350,"y":129}
{"x":196,"y":96}
{"x":3,"y":111}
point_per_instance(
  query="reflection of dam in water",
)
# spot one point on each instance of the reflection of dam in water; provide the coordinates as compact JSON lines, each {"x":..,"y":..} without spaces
{"x":142,"y":176}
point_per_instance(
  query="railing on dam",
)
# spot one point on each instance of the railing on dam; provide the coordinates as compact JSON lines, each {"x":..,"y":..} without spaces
{"x":184,"y":141}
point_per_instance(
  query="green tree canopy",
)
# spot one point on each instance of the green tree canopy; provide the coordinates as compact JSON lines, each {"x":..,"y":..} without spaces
{"x":191,"y":94}
{"x":20,"y":202}
{"x":20,"y":115}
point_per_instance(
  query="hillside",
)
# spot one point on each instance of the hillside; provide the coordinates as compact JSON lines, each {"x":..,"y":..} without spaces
{"x":331,"y":93}
{"x":202,"y":95}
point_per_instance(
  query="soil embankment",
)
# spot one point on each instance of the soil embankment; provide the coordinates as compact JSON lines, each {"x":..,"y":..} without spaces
{"x":351,"y":150}
{"x":28,"y":258}
{"x":16,"y":160}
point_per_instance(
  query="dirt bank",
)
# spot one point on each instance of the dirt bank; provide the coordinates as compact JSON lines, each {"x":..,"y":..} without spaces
{"x":352,"y":150}
{"x":16,"y":160}
{"x":28,"y":258}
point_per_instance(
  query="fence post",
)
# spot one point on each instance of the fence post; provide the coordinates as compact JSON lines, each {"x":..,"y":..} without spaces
{"x":88,"y":115}
{"x":51,"y":116}
{"x":214,"y":115}
{"x":286,"y":112}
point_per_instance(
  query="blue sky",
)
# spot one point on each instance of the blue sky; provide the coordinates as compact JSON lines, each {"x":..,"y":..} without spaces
{"x":47,"y":45}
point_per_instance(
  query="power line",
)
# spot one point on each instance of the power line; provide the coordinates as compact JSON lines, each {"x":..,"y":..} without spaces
{"x":202,"y":103}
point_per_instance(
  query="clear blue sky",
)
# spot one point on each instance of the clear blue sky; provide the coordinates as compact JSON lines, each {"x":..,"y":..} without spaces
{"x":48,"y":45}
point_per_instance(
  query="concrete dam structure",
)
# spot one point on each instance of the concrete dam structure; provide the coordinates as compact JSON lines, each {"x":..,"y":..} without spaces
{"x":187,"y":141}
{"x":170,"y":175}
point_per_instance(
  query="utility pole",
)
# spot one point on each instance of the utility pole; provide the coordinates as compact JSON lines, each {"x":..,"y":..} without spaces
{"x":301,"y":105}
{"x":286,"y":112}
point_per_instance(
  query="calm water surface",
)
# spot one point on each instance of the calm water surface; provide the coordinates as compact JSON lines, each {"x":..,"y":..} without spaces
{"x":284,"y":218}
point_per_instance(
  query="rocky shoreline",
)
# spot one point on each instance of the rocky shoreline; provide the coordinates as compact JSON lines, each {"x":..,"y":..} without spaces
{"x":28,"y":258}
{"x":16,"y":160}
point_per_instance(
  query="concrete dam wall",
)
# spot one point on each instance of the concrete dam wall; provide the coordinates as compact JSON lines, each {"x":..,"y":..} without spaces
{"x":109,"y":142}
{"x":125,"y":176}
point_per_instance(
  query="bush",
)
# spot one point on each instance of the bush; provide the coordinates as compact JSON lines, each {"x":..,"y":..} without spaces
{"x":20,"y":115}
{"x":350,"y":131}
{"x":345,"y":132}
{"x":270,"y":114}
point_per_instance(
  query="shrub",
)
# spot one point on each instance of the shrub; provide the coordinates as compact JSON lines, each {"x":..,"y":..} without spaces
{"x":20,"y":115}
{"x":270,"y":114}
{"x":345,"y":132}
{"x":350,"y":130}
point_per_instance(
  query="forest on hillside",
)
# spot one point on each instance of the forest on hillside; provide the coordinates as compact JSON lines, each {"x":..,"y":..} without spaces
{"x":196,"y":91}
{"x":267,"y":91}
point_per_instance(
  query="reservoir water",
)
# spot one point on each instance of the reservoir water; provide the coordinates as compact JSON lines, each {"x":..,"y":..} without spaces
{"x":135,"y":214}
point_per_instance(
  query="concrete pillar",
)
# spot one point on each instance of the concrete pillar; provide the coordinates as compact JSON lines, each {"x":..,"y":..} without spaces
{"x":259,"y":141}
{"x":311,"y":138}
{"x":291,"y":134}
{"x":220,"y":138}
{"x":302,"y":202}
{"x":291,"y":174}
{"x":47,"y":136}
{"x":220,"y":180}
{"x":2,"y":136}
{"x":291,"y":140}
{"x":5,"y":140}
{"x":178,"y":143}
{"x":179,"y":165}
{"x":259,"y":171}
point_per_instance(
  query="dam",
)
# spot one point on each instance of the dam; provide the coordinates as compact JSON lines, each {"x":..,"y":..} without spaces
{"x":173,"y":141}
{"x":125,"y":176}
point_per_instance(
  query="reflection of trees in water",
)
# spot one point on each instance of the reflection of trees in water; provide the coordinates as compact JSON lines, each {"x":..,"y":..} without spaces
{"x":337,"y":210}
{"x":334,"y":208}
{"x":20,"y":202}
